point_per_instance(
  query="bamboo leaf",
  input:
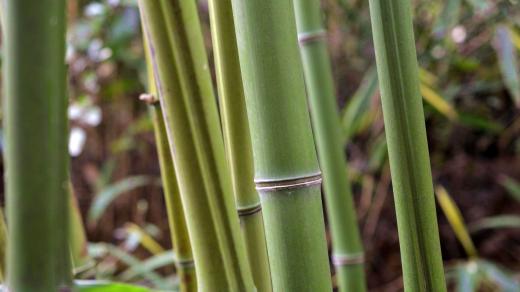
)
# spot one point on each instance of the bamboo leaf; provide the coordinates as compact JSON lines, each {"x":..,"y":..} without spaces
{"x":106,"y":286}
{"x":512,"y":186}
{"x":438,"y":102}
{"x":507,"y":58}
{"x":496,"y":222}
{"x":106,"y":196}
{"x":145,"y":239}
{"x":356,"y":112}
{"x":454,"y":216}
{"x":157,"y":261}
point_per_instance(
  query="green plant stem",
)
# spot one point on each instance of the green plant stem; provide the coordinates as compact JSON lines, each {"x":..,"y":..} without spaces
{"x":238,"y":140}
{"x":36,"y":146}
{"x":346,"y":242}
{"x":191,"y":117}
{"x":176,"y":219}
{"x":407,"y":146}
{"x":286,"y":168}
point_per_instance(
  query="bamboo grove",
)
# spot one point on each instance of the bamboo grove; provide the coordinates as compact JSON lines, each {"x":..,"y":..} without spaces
{"x":242,"y":162}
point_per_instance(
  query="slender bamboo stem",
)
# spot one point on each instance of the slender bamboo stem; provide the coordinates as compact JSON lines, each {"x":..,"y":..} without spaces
{"x":407,"y":146}
{"x":346,"y":242}
{"x":36,"y":146}
{"x":238,"y":140}
{"x":196,"y":144}
{"x":186,"y":39}
{"x":286,"y":168}
{"x":201,"y":227}
{"x":176,"y":219}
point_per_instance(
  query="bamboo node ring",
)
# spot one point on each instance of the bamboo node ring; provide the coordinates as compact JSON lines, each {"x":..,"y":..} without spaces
{"x":288,"y":184}
{"x":185,"y":264}
{"x":148,"y":98}
{"x":311,"y":36}
{"x":249,"y":210}
{"x":348,"y":259}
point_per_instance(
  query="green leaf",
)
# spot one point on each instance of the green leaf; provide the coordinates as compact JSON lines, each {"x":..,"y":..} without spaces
{"x":105,"y":286}
{"x":166,"y":258}
{"x":495,"y":222}
{"x":508,"y":62}
{"x":504,"y":279}
{"x":112,"y":192}
{"x":357,"y":109}
{"x":454,"y":216}
{"x":512,"y":186}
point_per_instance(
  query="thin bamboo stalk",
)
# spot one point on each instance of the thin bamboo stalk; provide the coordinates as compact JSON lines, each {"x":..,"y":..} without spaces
{"x":238,"y":140}
{"x":201,"y":227}
{"x":186,"y":40}
{"x":407,"y":146}
{"x":36,"y":146}
{"x":176,"y":219}
{"x":287,"y":175}
{"x":348,"y":256}
{"x":191,"y":118}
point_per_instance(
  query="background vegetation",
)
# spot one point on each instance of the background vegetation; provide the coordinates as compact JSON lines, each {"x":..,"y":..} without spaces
{"x":467,"y":50}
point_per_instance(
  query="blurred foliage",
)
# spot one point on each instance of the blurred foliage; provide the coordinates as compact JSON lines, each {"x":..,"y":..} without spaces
{"x":468,"y":53}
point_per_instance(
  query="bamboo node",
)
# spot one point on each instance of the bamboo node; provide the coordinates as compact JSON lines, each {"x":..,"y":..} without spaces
{"x":312,"y":36}
{"x":185,"y":264}
{"x":148,"y":98}
{"x":249,"y":210}
{"x":348,"y":259}
{"x":288,"y":184}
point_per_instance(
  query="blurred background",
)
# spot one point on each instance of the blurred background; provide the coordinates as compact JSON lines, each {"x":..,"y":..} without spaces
{"x":468,"y":53}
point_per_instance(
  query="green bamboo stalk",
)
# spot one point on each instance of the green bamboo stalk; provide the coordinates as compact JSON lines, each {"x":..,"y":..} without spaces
{"x":38,"y":257}
{"x":238,"y":140}
{"x":176,"y":218}
{"x":348,"y":256}
{"x":196,"y":144}
{"x":287,"y":174}
{"x":407,"y":146}
{"x":187,"y":42}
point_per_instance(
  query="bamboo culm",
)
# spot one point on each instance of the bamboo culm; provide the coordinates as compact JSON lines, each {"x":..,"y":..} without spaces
{"x":196,"y":144}
{"x":36,"y":153}
{"x":407,"y":146}
{"x":347,"y":247}
{"x":238,"y":140}
{"x":287,"y":174}
{"x":176,"y":218}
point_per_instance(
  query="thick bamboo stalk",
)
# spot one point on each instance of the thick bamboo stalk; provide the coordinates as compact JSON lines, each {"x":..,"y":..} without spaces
{"x":407,"y":146}
{"x":347,"y":248}
{"x":36,"y":146}
{"x":191,"y":118}
{"x":287,"y":175}
{"x":238,"y":140}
